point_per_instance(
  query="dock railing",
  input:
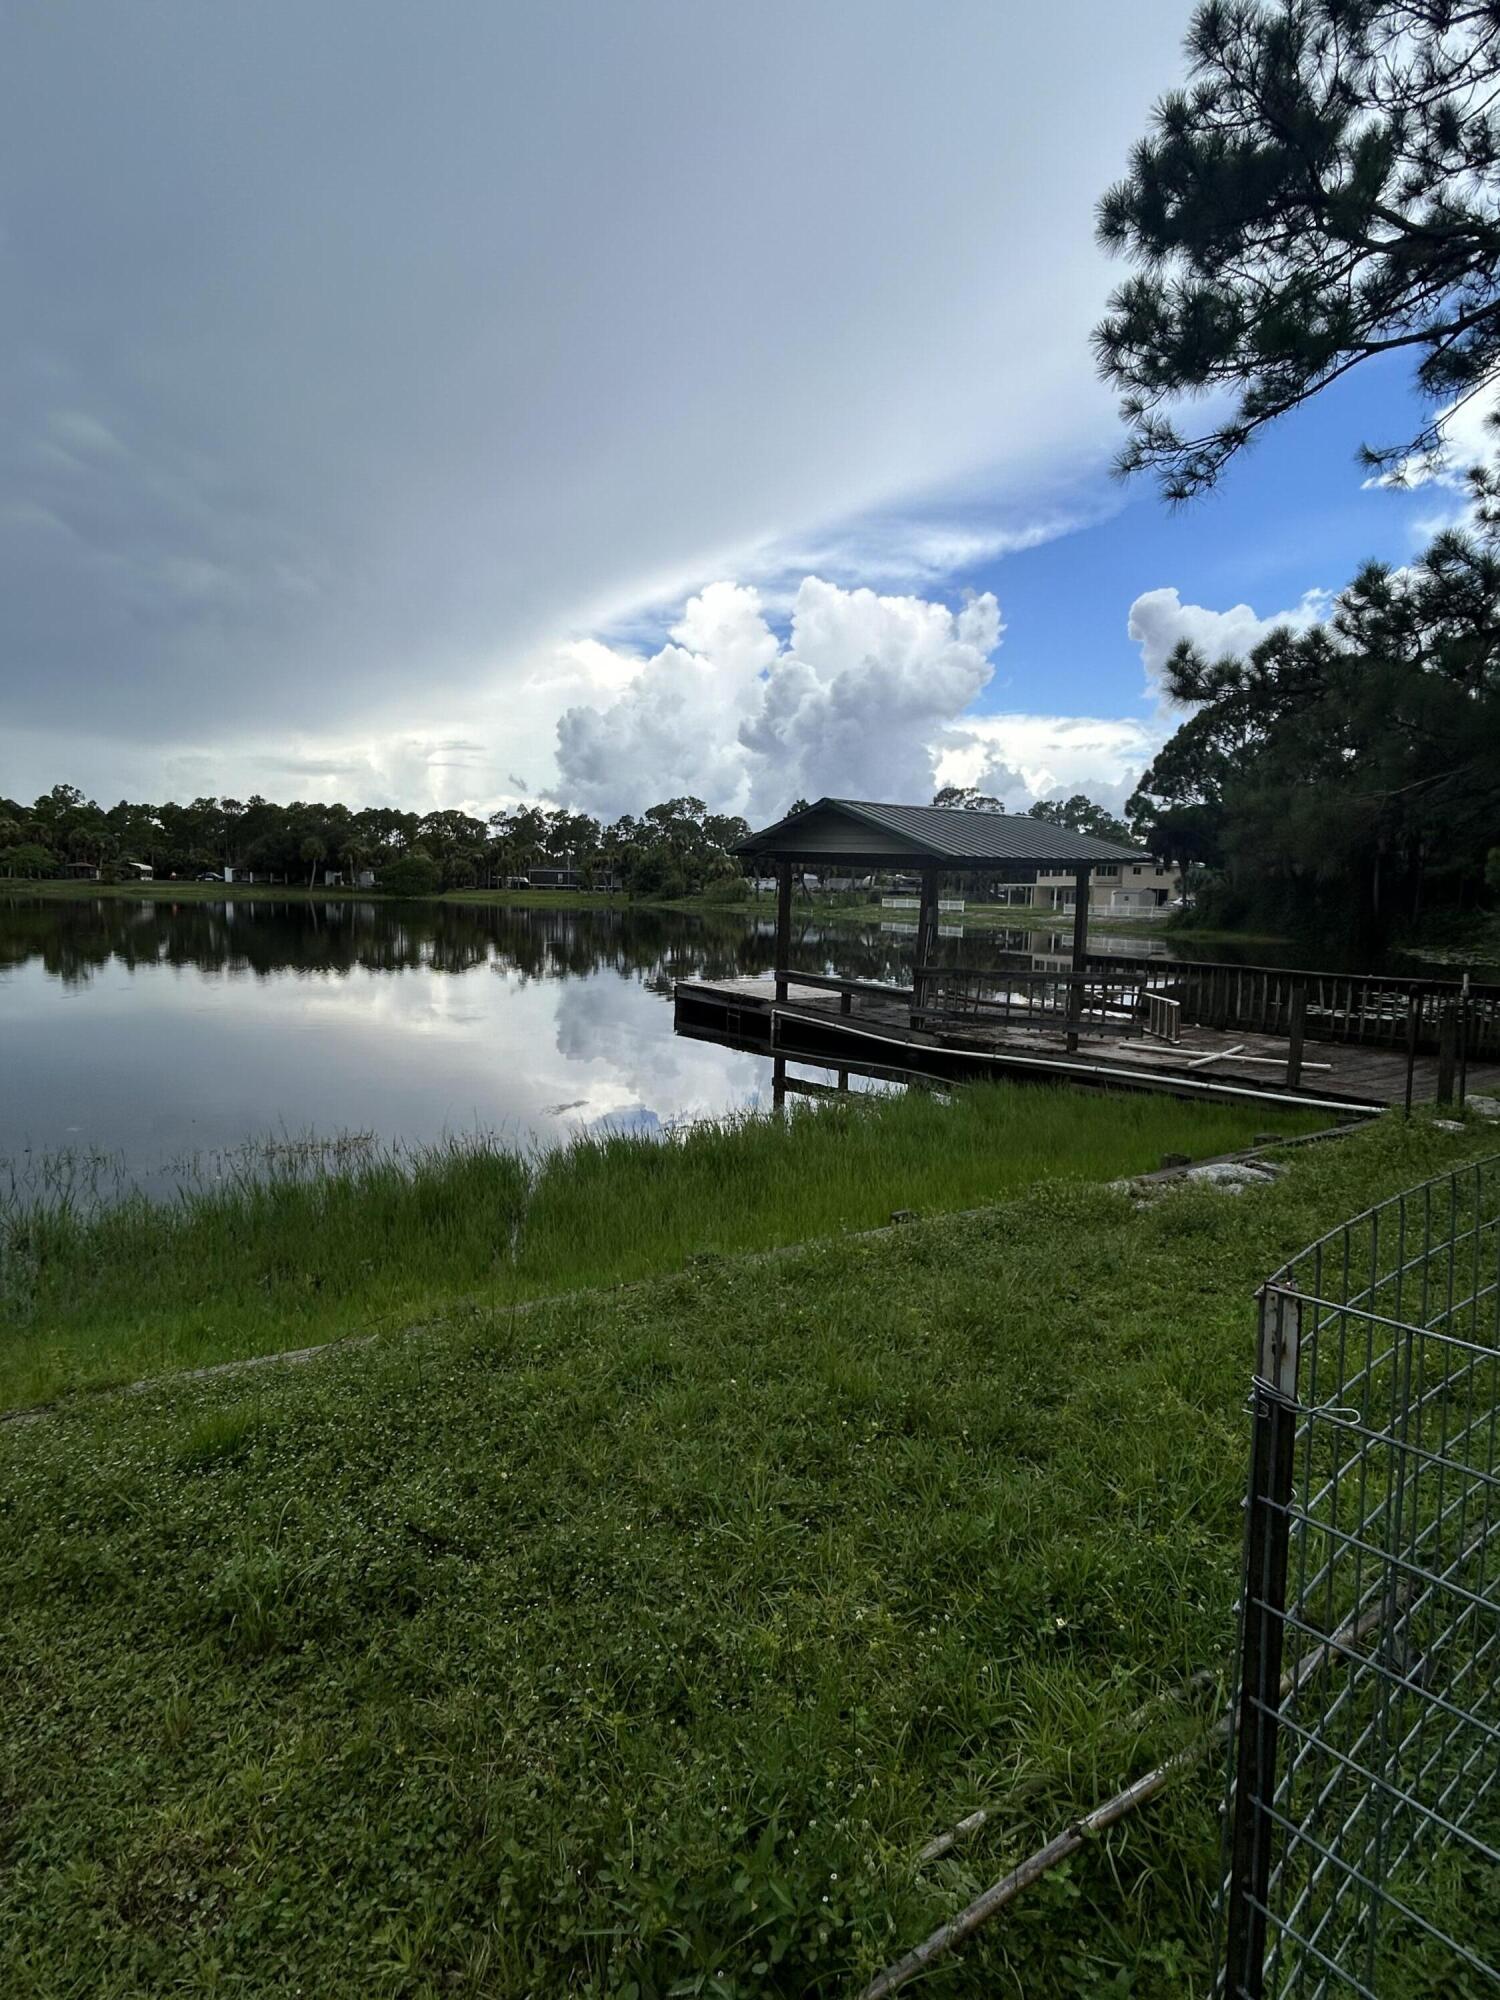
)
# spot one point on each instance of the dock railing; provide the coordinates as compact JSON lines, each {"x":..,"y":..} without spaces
{"x":1035,"y":1002}
{"x":1118,"y":996}
{"x":1363,"y":1007}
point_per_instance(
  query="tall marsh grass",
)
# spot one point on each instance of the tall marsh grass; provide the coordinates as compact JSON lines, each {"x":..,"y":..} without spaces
{"x":283,"y":1246}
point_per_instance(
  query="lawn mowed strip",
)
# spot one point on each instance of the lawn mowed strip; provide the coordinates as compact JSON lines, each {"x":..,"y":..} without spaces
{"x":635,"y":1644}
{"x":288,"y":1249}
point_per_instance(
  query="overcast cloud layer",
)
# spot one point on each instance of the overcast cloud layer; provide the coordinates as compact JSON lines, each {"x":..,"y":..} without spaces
{"x":369,"y":371}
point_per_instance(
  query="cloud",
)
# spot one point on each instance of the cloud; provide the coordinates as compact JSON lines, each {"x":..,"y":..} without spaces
{"x":1022,"y":758}
{"x":853,"y":702}
{"x":1466,"y":438}
{"x":861,"y":693}
{"x":75,"y":434}
{"x":1159,"y":621}
{"x":920,"y":546}
{"x":512,"y":332}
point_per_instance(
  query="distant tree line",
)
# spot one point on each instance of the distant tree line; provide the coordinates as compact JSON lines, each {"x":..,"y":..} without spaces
{"x":677,"y":848}
{"x":1080,"y":812}
{"x":673,"y":849}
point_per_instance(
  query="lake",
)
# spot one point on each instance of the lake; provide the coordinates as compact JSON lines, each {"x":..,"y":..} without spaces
{"x":157,"y":1034}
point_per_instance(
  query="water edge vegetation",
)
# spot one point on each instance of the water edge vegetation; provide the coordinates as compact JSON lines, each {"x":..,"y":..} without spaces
{"x":278,"y":1247}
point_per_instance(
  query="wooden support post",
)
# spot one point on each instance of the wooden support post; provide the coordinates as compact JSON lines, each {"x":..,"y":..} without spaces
{"x":1294,"y":1034}
{"x":1080,"y":951}
{"x":783,"y":926}
{"x":926,"y":942}
{"x":1413,"y":1035}
{"x":1447,"y":1051}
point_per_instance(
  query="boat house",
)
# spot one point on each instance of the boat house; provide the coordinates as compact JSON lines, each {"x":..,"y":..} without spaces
{"x":928,"y":842}
{"x":1349,"y":1042}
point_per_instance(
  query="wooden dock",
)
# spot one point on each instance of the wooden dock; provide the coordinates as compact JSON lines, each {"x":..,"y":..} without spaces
{"x":835,"y":1024}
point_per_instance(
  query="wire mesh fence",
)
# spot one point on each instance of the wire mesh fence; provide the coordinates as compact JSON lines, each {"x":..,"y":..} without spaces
{"x":1365,"y":1771}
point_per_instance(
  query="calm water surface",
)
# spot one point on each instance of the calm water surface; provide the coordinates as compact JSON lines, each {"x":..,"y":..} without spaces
{"x":154,"y":1033}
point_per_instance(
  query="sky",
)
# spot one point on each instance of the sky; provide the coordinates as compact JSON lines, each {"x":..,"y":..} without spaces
{"x":464,"y":405}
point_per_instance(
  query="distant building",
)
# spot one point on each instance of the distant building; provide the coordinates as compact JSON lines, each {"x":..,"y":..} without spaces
{"x":81,"y":871}
{"x":141,"y":870}
{"x":555,"y":878}
{"x":1126,"y":888}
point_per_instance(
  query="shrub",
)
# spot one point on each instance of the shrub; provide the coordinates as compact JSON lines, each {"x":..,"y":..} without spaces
{"x":411,"y":874}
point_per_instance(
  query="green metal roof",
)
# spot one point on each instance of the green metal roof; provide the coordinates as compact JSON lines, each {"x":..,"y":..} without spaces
{"x":942,"y":835}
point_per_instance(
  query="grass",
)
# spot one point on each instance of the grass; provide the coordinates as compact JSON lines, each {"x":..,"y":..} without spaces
{"x":291,"y":1248}
{"x":634,"y":1645}
{"x":165,"y":891}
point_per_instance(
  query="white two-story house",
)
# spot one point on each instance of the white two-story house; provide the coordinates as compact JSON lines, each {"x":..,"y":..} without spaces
{"x":1116,"y":888}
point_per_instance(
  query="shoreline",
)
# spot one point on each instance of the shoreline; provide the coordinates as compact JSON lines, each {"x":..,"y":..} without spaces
{"x":278,"y":1258}
{"x":979,"y":916}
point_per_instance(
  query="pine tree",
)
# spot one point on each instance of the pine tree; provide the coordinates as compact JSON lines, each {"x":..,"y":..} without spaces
{"x":1326,"y":190}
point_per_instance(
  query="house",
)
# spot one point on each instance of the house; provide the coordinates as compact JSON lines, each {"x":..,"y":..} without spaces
{"x":555,"y":878}
{"x":1123,"y":888}
{"x":142,"y":871}
{"x":81,"y":871}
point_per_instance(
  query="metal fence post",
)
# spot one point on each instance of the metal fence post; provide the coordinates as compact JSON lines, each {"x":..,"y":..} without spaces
{"x":1262,"y":1632}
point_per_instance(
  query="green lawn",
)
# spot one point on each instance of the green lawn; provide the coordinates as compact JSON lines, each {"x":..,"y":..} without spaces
{"x":635,"y":1644}
{"x":165,"y":891}
{"x":272,"y":1257}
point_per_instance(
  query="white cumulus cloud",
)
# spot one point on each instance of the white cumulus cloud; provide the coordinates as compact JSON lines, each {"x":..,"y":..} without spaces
{"x":1019,"y":758}
{"x":1159,"y":621}
{"x":854,"y":700}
